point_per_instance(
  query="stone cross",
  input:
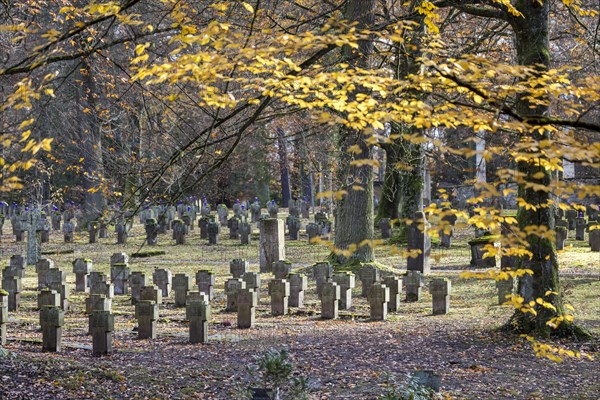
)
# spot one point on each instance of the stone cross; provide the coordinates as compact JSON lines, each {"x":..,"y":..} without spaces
{"x":102,"y":325}
{"x":103,"y":229}
{"x":180,"y":231}
{"x":594,"y":238}
{"x":47,"y":297}
{"x":82,"y":268}
{"x":279,"y":290}
{"x":44,"y":228}
{"x":93,"y":231}
{"x":163,"y":279}
{"x":281,"y":269}
{"x":561,"y":237}
{"x":198,"y":313}
{"x":234,"y":227}
{"x":137,"y":280}
{"x":386,"y":228}
{"x":245,"y":233}
{"x":146,"y":313}
{"x":151,"y":228}
{"x":121,"y":229}
{"x":34,"y":246}
{"x":252,"y":280}
{"x":182,"y":284}
{"x":506,"y":287}
{"x":68,"y":229}
{"x":413,"y":282}
{"x":246,"y":312}
{"x":369,"y":274}
{"x":395,"y":285}
{"x":57,"y":280}
{"x":222,"y":213}
{"x":205,"y":280}
{"x":571,"y":215}
{"x":119,"y":275}
{"x":330,"y":299}
{"x":478,"y":252}
{"x":419,"y":244}
{"x":298,"y":284}
{"x":293,"y":224}
{"x":152,"y":293}
{"x":52,"y":320}
{"x":272,"y":243}
{"x":232,"y":287}
{"x":447,"y":231}
{"x":97,"y":302}
{"x":42,"y":267}
{"x":580,"y":226}
{"x":322,"y":272}
{"x":346,"y":282}
{"x":238,"y":267}
{"x":3,"y":317}
{"x":313,"y":231}
{"x":213,"y":230}
{"x":17,"y":262}
{"x":194,"y":295}
{"x":203,"y":225}
{"x":440,"y":293}
{"x":11,"y":282}
{"x":379,"y":296}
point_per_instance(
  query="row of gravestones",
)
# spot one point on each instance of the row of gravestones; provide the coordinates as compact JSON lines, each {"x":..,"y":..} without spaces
{"x":242,"y":290}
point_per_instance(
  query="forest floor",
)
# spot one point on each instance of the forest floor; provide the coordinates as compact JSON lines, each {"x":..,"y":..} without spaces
{"x":347,"y":358}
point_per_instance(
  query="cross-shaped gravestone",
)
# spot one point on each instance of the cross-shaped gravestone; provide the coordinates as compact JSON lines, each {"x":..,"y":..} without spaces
{"x":102,"y":325}
{"x":330,"y":299}
{"x":163,"y":279}
{"x":52,"y":319}
{"x":322,"y":272}
{"x":369,"y":275}
{"x":346,"y":282}
{"x":198,"y":313}
{"x":137,"y":280}
{"x":182,"y":284}
{"x":440,"y":293}
{"x":394,"y":284}
{"x":281,"y":269}
{"x":298,"y":284}
{"x":247,"y":302}
{"x":413,"y":283}
{"x":279,"y":290}
{"x":205,"y":280}
{"x":232,"y":287}
{"x":238,"y":267}
{"x":146,"y":313}
{"x":379,"y":295}
{"x":82,"y":268}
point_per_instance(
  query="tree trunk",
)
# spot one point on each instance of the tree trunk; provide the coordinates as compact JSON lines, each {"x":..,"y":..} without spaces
{"x":91,"y":140}
{"x":401,"y":195}
{"x":286,"y":191}
{"x":402,"y":192}
{"x":532,"y":44}
{"x":354,"y":213}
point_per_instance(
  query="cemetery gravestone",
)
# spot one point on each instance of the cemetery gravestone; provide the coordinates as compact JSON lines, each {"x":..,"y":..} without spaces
{"x":330,"y":299}
{"x":580,"y":226}
{"x":369,"y":275}
{"x":3,"y":316}
{"x":594,"y":238}
{"x":182,"y":284}
{"x":313,"y":231}
{"x":322,"y":272}
{"x":281,"y":269}
{"x":57,"y":280}
{"x":298,"y":284}
{"x":102,"y":325}
{"x":394,"y":284}
{"x":238,"y":268}
{"x":152,"y":293}
{"x":346,"y":282}
{"x":232,"y":288}
{"x":447,"y":231}
{"x":137,"y":282}
{"x":247,"y":302}
{"x":180,"y":231}
{"x":119,"y":275}
{"x":293,"y":224}
{"x":279,"y":290}
{"x":386,"y":228}
{"x":272,"y":243}
{"x":146,"y":313}
{"x":47,"y":297}
{"x":82,"y":268}
{"x":11,"y":283}
{"x":163,"y":279}
{"x":213,"y":230}
{"x":68,"y":229}
{"x":52,"y":320}
{"x":413,"y":282}
{"x":245,"y":233}
{"x":205,"y":280}
{"x":419,"y":243}
{"x":440,"y":293}
{"x":379,"y":296}
{"x":198,"y":313}
{"x":42,"y":267}
{"x":151,"y":227}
